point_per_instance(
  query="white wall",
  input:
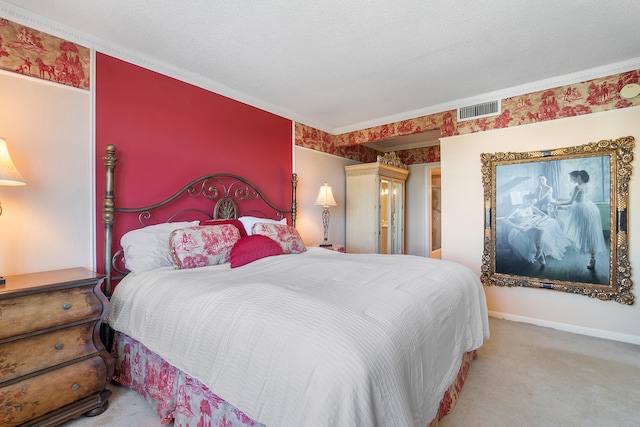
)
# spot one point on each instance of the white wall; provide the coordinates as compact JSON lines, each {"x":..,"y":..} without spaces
{"x":313,"y":169}
{"x":416,"y":242}
{"x":417,"y":221}
{"x":47,"y":224}
{"x":462,"y":235}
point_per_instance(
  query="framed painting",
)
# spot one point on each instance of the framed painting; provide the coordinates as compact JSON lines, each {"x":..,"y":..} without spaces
{"x":557,"y":219}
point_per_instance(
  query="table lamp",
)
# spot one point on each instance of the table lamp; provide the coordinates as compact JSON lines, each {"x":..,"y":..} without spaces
{"x":325,"y":199}
{"x":9,"y":175}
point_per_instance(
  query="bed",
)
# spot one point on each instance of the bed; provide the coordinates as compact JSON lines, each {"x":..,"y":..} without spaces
{"x":221,"y":316}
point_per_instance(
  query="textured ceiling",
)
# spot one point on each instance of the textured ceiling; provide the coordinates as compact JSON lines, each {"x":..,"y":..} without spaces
{"x":345,"y":65}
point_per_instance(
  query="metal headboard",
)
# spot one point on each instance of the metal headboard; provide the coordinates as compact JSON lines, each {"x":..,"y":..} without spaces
{"x":225,"y":191}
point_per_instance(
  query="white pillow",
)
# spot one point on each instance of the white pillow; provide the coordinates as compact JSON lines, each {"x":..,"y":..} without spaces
{"x":248,"y":221}
{"x":148,"y":248}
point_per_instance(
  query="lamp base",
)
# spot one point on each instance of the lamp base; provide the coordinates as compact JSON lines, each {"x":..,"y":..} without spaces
{"x":325,"y":224}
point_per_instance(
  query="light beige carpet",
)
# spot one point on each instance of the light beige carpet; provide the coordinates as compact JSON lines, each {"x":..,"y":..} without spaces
{"x":126,"y":409}
{"x":527,"y":375}
{"x":524,"y":376}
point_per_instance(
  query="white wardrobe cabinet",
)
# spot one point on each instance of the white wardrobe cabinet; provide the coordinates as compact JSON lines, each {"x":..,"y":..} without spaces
{"x":375,"y":208}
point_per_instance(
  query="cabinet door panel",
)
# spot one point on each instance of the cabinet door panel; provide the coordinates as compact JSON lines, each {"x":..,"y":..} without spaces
{"x":386,"y":217}
{"x":398,"y":218}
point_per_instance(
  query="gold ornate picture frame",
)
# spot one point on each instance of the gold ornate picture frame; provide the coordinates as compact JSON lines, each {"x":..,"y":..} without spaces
{"x":557,"y":219}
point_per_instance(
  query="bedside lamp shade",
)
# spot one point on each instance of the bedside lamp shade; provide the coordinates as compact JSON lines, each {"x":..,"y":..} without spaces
{"x":9,"y":175}
{"x":325,"y":199}
{"x":325,"y":196}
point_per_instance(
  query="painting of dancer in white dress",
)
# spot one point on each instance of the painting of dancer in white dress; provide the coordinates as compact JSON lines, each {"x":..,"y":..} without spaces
{"x":553,"y":219}
{"x":557,"y":219}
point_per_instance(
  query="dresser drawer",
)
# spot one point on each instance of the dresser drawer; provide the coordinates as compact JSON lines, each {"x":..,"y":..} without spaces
{"x":39,"y":395}
{"x":46,"y":310}
{"x":38,"y":352}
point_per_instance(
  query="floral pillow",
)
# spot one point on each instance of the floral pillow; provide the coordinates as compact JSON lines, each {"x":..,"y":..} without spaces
{"x":287,"y":236}
{"x":201,"y":246}
{"x":252,"y":248}
{"x":250,"y":221}
{"x":235,"y":222}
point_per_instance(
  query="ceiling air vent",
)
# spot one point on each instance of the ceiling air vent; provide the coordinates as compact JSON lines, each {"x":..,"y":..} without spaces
{"x":486,"y":109}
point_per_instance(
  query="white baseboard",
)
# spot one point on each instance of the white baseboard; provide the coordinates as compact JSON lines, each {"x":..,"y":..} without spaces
{"x":598,"y":333}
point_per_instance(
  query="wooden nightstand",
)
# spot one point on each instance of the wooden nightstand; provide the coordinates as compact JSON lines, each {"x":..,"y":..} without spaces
{"x":337,"y":248}
{"x":53,"y":366}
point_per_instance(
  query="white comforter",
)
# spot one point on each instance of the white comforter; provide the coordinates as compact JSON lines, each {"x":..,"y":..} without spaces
{"x":314,"y":339}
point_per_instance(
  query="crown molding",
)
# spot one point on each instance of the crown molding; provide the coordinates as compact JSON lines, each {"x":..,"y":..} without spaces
{"x":24,"y":17}
{"x":540,"y":85}
{"x":57,"y":29}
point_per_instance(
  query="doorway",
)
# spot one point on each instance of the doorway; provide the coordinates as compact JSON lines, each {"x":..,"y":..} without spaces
{"x":434,"y":212}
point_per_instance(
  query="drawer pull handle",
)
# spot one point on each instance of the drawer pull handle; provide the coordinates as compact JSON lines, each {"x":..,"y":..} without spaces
{"x":75,"y":386}
{"x":67,"y":306}
{"x":59,"y":346}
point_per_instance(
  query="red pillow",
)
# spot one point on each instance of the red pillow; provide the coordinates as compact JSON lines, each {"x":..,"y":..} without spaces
{"x":252,"y":248}
{"x":234,"y":222}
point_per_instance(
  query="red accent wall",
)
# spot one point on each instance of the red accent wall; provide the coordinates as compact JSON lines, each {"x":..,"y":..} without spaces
{"x":168,"y":132}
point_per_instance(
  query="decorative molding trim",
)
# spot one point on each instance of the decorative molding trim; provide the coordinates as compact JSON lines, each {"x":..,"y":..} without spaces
{"x":26,"y":18}
{"x":391,"y":158}
{"x":23,"y":17}
{"x":40,"y":81}
{"x":38,"y":54}
{"x":581,"y":330}
{"x":540,"y":85}
{"x":57,"y":29}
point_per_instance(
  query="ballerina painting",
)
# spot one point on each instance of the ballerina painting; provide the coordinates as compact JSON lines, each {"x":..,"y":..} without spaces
{"x":557,"y":219}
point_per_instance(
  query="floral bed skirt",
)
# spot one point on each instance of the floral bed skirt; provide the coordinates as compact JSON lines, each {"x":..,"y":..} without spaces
{"x":177,"y":396}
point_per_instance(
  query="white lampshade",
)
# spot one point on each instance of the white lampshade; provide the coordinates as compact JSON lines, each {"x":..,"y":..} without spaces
{"x":325,"y":196}
{"x":9,"y":175}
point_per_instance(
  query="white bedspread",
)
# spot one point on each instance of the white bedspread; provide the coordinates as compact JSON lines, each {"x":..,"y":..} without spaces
{"x":313,"y":339}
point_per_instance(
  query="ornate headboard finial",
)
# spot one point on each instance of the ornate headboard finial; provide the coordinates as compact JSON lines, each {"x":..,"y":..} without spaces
{"x":110,"y":156}
{"x":109,"y":160}
{"x":294,"y":202}
{"x":108,"y":211}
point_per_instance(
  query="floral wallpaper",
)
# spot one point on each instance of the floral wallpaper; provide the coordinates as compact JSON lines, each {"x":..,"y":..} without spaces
{"x":318,"y":140}
{"x":588,"y":97}
{"x":31,"y":52}
{"x":34,"y":53}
